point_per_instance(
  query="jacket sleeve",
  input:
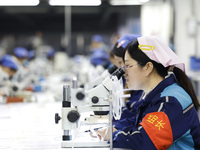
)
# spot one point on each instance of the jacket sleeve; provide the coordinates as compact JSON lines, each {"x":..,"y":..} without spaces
{"x":119,"y":125}
{"x":154,"y":131}
{"x":127,"y":139}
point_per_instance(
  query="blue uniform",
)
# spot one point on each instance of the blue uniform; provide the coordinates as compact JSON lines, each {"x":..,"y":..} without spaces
{"x":166,"y":119}
{"x":130,"y":108}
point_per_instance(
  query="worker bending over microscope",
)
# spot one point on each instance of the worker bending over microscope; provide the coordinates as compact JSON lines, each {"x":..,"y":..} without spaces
{"x":167,"y":118}
{"x":8,"y":67}
{"x":12,"y":90}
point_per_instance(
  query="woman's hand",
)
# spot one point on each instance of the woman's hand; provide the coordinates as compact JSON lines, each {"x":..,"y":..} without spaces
{"x":104,"y":133}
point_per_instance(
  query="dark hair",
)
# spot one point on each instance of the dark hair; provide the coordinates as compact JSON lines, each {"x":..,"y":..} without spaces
{"x":118,"y":51}
{"x":182,"y":78}
{"x":13,"y":69}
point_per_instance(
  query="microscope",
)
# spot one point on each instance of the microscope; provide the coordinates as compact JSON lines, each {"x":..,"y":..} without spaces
{"x":105,"y":74}
{"x":76,"y":101}
{"x":13,"y":91}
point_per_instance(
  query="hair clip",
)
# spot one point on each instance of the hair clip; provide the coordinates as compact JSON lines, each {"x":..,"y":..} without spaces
{"x":146,"y":47}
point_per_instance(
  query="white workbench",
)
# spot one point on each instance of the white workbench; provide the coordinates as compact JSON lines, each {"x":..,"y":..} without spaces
{"x":31,"y":126}
{"x":27,"y":126}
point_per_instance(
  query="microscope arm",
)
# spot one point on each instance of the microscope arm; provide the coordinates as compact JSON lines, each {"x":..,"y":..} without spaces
{"x":105,"y":74}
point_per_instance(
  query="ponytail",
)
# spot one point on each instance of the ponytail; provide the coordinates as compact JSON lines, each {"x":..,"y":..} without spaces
{"x":185,"y":83}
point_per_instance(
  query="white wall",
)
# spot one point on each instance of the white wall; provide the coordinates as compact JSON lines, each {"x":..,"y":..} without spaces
{"x":184,"y":40}
{"x":156,"y":19}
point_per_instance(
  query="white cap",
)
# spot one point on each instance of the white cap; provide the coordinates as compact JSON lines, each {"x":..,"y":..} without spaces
{"x":158,"y":51}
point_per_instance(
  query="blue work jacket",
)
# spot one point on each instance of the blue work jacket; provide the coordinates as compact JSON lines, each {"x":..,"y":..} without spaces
{"x":129,"y":111}
{"x":130,"y":108}
{"x":166,"y":119}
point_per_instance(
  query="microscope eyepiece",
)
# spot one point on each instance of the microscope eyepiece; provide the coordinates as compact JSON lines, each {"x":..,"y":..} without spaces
{"x":119,"y":73}
{"x":112,"y":69}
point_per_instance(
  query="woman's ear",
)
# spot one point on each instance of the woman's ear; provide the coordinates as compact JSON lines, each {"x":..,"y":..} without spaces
{"x":148,"y":68}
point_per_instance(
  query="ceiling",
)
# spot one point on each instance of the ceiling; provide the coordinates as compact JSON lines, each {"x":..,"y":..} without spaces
{"x":51,"y":18}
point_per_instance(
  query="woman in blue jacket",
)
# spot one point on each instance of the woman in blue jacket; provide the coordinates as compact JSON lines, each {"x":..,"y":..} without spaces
{"x":167,"y":119}
{"x":129,"y":110}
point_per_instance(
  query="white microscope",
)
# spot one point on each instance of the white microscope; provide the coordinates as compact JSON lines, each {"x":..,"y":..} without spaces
{"x":76,"y":101}
{"x":13,"y":90}
{"x":105,"y":74}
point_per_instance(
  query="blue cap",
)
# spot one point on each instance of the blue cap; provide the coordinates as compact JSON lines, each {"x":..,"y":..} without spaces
{"x":51,"y":53}
{"x":99,"y":57}
{"x":31,"y":54}
{"x":126,"y":39}
{"x":8,"y":61}
{"x":97,"y":38}
{"x":21,"y":52}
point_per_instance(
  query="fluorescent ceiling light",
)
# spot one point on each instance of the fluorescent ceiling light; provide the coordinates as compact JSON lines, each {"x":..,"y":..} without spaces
{"x":75,"y":2}
{"x":19,"y":2}
{"x":128,"y":2}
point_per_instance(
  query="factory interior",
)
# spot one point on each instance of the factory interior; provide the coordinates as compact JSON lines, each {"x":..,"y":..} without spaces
{"x":61,"y":84}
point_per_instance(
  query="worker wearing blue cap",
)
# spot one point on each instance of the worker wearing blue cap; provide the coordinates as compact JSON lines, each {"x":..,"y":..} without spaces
{"x":99,"y":57}
{"x":8,"y":67}
{"x":8,"y":64}
{"x":97,"y":38}
{"x":131,"y":103}
{"x":51,"y":54}
{"x":97,"y":42}
{"x":31,"y":55}
{"x":119,"y":48}
{"x":21,"y":54}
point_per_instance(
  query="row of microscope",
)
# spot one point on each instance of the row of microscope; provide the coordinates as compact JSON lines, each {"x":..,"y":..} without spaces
{"x":24,"y":73}
{"x":21,"y":74}
{"x":86,"y":88}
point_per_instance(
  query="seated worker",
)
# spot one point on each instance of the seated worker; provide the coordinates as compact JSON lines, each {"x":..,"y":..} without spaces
{"x":167,"y":119}
{"x":8,"y":67}
{"x":50,"y":61}
{"x":21,"y":55}
{"x":131,"y":104}
{"x":99,"y":57}
{"x":23,"y":77}
{"x":97,"y":42}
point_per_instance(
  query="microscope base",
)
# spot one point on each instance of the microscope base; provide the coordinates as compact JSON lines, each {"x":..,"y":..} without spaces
{"x":68,"y":144}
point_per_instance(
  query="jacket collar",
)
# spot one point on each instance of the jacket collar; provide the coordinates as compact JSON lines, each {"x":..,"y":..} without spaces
{"x":169,"y":80}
